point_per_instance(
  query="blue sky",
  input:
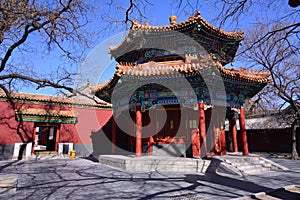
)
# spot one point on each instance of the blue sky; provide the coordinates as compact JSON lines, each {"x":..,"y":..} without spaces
{"x":157,"y":14}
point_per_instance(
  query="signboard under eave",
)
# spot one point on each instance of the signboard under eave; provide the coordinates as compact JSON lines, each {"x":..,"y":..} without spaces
{"x":46,"y":119}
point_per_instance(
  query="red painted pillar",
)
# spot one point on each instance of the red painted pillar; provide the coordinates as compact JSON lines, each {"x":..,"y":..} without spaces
{"x":233,"y":131}
{"x":223,"y":141}
{"x":195,"y":143}
{"x":114,"y":136}
{"x":217,"y":147}
{"x":151,"y":141}
{"x":138,"y":132}
{"x":243,"y":132}
{"x":202,"y":128}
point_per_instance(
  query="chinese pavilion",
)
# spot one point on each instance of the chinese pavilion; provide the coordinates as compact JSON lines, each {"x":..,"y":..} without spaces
{"x":172,"y":83}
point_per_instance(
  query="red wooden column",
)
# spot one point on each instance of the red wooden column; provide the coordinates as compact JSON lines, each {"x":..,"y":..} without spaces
{"x":151,"y":141}
{"x":223,"y":141}
{"x":233,"y":131}
{"x":195,"y":143}
{"x":113,"y":136}
{"x":138,"y":132}
{"x":243,"y":131}
{"x":202,"y":128}
{"x":152,"y":132}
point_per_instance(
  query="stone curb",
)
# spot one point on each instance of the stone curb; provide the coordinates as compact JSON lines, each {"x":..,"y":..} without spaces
{"x":8,"y":184}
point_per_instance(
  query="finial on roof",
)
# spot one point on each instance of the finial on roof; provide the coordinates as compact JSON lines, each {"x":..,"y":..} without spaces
{"x":173,"y":20}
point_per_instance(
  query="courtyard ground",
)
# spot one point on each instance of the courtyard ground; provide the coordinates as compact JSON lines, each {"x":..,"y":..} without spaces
{"x":84,"y":179}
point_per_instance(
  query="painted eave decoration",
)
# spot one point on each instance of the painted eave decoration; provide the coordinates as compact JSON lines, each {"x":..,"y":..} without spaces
{"x":47,"y":116}
{"x":173,"y":68}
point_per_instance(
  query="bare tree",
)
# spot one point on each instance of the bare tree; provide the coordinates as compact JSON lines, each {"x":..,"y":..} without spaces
{"x":55,"y":26}
{"x":261,"y":104}
{"x":119,"y":14}
{"x":280,"y":56}
{"x":40,"y":26}
{"x":236,"y":12}
{"x":273,"y":46}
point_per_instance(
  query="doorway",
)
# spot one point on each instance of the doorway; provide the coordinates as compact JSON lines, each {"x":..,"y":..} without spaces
{"x":45,"y":138}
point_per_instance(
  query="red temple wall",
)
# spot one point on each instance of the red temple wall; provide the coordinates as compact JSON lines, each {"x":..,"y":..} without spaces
{"x":12,"y":131}
{"x":277,"y":140}
{"x":89,"y":120}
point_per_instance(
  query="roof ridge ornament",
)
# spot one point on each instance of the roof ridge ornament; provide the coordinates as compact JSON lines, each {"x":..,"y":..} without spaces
{"x":197,"y":13}
{"x":173,"y":20}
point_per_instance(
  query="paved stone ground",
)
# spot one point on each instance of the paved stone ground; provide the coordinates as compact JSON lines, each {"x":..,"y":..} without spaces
{"x":84,"y":179}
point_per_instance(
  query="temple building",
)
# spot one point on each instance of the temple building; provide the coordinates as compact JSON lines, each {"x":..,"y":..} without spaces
{"x":169,"y":96}
{"x":172,"y":83}
{"x":33,"y":124}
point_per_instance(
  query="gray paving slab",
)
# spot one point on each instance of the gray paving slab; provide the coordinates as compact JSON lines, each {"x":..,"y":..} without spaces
{"x":84,"y":179}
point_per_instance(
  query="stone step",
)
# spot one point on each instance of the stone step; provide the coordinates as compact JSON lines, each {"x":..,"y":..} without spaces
{"x":162,"y":168}
{"x":273,"y":168}
{"x":239,"y":165}
{"x":249,"y":167}
{"x":257,"y":170}
{"x":258,"y":162}
{"x":253,"y":165}
{"x":164,"y":162}
{"x":187,"y":163}
{"x":242,"y":159}
{"x":253,"y":168}
{"x":162,"y":165}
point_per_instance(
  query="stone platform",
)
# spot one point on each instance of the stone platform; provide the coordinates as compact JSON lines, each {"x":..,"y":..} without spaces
{"x":232,"y":163}
{"x":237,"y":164}
{"x":155,"y":163}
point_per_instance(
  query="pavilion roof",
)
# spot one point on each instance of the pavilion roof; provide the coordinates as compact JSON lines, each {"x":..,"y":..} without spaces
{"x":213,"y":39}
{"x":173,"y":68}
{"x":196,"y":18}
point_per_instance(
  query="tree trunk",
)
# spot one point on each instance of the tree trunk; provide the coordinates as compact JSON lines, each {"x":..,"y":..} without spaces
{"x":294,"y":140}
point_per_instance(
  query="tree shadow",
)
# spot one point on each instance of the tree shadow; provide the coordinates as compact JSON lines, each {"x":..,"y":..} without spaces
{"x":8,"y":165}
{"x":49,"y":179}
{"x":22,"y":151}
